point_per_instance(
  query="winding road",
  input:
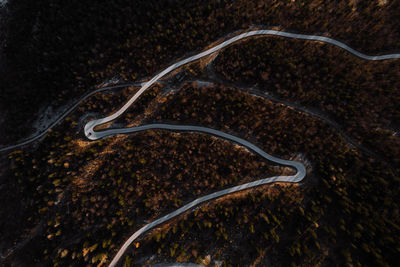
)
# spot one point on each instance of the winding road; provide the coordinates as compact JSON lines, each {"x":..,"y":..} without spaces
{"x":301,"y":173}
{"x":65,"y":113}
{"x":301,"y":170}
{"x":95,"y":135}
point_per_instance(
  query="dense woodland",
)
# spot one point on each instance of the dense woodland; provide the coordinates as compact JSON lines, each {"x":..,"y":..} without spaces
{"x":80,"y":200}
{"x":70,"y":201}
{"x":58,"y":50}
{"x":347,"y":213}
{"x":361,"y":96}
{"x":83,"y":198}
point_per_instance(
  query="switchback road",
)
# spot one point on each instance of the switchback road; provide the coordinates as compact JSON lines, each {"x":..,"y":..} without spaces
{"x":94,"y":135}
{"x":301,"y":171}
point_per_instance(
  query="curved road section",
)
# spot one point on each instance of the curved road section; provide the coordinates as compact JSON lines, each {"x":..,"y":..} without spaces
{"x":89,"y":127}
{"x":301,"y":171}
{"x":93,"y":135}
{"x":69,"y":110}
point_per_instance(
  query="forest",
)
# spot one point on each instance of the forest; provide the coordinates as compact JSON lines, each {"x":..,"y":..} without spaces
{"x":345,"y":212}
{"x":57,"y":51}
{"x":94,"y":194}
{"x":359,"y":95}
{"x":70,"y":201}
